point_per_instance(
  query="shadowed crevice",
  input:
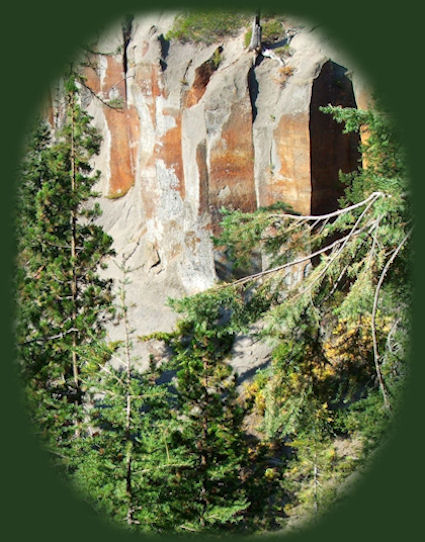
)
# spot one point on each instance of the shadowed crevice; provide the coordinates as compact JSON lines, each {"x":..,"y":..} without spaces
{"x":126,"y":34}
{"x":165,"y":47}
{"x":253,"y":91}
{"x":331,"y":150}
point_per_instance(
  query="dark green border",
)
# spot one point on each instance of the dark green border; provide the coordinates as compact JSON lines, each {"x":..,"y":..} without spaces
{"x":36,"y":41}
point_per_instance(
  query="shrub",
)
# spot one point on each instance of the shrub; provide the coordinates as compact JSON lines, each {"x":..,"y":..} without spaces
{"x":206,"y":27}
{"x":272,"y":30}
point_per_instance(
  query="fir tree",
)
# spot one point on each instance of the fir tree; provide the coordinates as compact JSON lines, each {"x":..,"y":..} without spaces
{"x":62,"y":300}
{"x":212,"y":436}
{"x":223,"y":490}
{"x":127,"y":463}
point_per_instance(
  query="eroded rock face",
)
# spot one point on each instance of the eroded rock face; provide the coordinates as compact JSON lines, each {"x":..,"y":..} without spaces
{"x":188,"y":129}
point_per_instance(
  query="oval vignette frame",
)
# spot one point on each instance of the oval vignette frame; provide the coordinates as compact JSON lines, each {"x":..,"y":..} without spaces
{"x":37,"y":43}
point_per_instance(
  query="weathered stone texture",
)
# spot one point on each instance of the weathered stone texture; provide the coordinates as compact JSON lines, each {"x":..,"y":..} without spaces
{"x":193,"y":135}
{"x":291,"y":183}
{"x":169,"y":149}
{"x":203,"y":75}
{"x":231,"y":171}
{"x":105,"y":77}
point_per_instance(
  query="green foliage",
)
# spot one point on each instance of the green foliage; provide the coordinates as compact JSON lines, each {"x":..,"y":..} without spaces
{"x":285,"y":50}
{"x":332,"y":300}
{"x":117,"y":103}
{"x":272,"y":30}
{"x":227,"y":491}
{"x":244,"y":235}
{"x":206,"y":27}
{"x":60,"y":294}
{"x":247,"y":38}
{"x":130,"y":461}
{"x":340,"y":326}
{"x":216,"y":58}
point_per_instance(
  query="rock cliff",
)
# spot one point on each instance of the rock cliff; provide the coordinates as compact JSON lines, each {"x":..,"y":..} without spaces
{"x":188,"y":128}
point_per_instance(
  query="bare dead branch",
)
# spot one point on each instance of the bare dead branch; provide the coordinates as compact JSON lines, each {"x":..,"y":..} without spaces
{"x":51,"y":338}
{"x":346,"y":239}
{"x":290,"y":264}
{"x":95,"y":95}
{"x":318,"y":218}
{"x":373,"y":324}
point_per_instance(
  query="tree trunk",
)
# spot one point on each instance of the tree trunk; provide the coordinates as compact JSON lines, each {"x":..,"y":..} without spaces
{"x":129,"y":487}
{"x":255,"y":43}
{"x":74,"y":292}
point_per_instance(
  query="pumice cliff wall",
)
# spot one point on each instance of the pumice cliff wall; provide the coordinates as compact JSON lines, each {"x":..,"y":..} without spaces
{"x":189,"y":128}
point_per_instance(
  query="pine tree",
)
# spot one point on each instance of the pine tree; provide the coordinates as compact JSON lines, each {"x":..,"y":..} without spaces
{"x":62,"y":300}
{"x":227,"y":489}
{"x":127,"y":464}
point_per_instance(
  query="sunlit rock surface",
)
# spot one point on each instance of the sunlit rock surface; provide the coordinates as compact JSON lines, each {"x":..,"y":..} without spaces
{"x":188,"y":129}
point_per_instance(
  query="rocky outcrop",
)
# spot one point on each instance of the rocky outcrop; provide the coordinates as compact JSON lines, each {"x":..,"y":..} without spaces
{"x":188,"y":129}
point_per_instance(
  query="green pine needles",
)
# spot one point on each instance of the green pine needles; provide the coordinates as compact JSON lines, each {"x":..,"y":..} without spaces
{"x":62,"y":301}
{"x":333,"y":298}
{"x":198,"y":451}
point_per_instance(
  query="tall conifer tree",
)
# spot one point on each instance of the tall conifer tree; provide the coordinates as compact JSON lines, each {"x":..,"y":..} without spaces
{"x":62,"y":300}
{"x":219,"y":492}
{"x":128,"y":464}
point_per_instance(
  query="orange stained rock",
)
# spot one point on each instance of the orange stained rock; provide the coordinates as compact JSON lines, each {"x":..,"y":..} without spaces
{"x":114,"y":78}
{"x":147,"y":80}
{"x":291,"y":183}
{"x":91,"y":75}
{"x":201,"y":162}
{"x":169,"y":149}
{"x":231,"y":176}
{"x":123,"y":125}
{"x":197,"y":90}
{"x":364,"y":101}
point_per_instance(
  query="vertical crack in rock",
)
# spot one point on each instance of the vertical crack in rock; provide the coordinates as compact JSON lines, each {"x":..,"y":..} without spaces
{"x":165,"y":47}
{"x":201,"y":162}
{"x":253,"y":91}
{"x":126,"y":34}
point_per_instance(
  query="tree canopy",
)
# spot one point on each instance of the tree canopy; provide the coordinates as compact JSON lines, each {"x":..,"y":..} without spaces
{"x":178,"y":454}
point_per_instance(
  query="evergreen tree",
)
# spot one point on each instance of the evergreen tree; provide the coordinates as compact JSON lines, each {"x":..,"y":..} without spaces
{"x":34,"y":171}
{"x":128,"y":461}
{"x":62,"y":300}
{"x":226,"y":490}
{"x":126,"y":466}
{"x":353,"y":250}
{"x":334,"y":295}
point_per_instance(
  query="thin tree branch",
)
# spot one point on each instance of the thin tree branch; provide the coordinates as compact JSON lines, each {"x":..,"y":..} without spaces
{"x":374,"y":310}
{"x":390,"y":333}
{"x":51,"y":338}
{"x":346,"y":239}
{"x":165,"y":466}
{"x":95,"y":95}
{"x":289,"y":264}
{"x":372,"y":197}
